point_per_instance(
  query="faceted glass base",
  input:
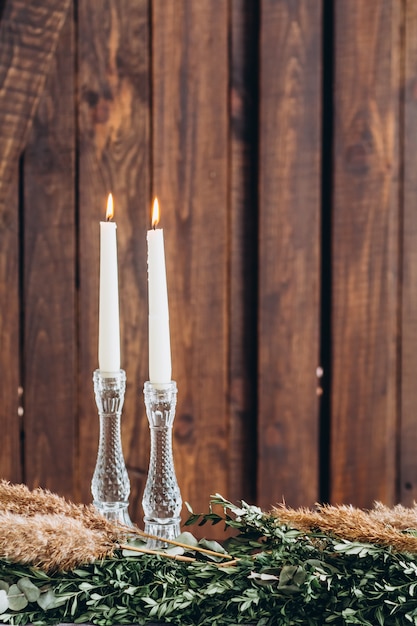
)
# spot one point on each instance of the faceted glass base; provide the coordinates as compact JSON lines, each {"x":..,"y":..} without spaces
{"x":161,"y":501}
{"x":115,"y":512}
{"x":110,"y":485}
{"x":162,"y":530}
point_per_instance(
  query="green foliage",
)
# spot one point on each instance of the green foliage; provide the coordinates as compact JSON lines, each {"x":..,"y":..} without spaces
{"x":283,"y":577}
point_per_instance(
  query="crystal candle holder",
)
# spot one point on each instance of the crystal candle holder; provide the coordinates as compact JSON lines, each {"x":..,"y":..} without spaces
{"x":110,"y":485}
{"x":162,"y":498}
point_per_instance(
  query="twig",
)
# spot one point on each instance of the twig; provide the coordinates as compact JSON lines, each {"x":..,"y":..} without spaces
{"x":181,"y":545}
{"x":175,"y":557}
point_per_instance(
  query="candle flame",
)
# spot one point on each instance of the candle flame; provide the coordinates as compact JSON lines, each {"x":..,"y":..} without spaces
{"x":110,"y":210}
{"x":155,"y":213}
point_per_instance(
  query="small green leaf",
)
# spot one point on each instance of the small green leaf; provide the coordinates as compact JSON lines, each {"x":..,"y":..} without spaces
{"x":74,"y":606}
{"x":175,"y":550}
{"x":85,"y":618}
{"x":48,"y":600}
{"x":86,"y":586}
{"x":187,"y":538}
{"x":4,"y":603}
{"x":287,"y":574}
{"x":149,"y":601}
{"x":82,"y":573}
{"x":126,"y":552}
{"x":96,"y":596}
{"x":212,"y":545}
{"x":193,"y":519}
{"x":31,"y":592}
{"x":136,"y":543}
{"x":17,"y":599}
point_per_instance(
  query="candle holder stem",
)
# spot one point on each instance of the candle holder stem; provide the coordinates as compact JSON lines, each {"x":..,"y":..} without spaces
{"x":162,"y":498}
{"x":110,"y":485}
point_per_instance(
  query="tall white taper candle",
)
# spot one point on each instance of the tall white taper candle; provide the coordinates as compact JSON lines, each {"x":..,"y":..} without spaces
{"x":159,"y":337}
{"x":109,"y":328}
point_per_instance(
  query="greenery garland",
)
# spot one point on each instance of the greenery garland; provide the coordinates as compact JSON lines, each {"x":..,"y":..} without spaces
{"x":282,"y":576}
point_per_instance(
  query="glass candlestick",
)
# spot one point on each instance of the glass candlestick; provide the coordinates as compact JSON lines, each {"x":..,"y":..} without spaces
{"x":110,"y":485}
{"x":162,"y":498}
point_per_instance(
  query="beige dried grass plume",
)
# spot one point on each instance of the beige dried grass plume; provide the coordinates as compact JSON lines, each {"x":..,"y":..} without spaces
{"x":45,"y":530}
{"x":381,"y":525}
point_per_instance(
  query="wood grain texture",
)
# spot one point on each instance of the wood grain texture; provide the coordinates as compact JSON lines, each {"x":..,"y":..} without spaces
{"x":190,"y":167}
{"x":114,"y":156}
{"x":243,"y":103}
{"x":408,"y":434}
{"x":28,"y":37}
{"x":10,"y":318}
{"x":49,"y":257}
{"x":289,"y":254}
{"x":365,"y":252}
{"x":154,"y":98}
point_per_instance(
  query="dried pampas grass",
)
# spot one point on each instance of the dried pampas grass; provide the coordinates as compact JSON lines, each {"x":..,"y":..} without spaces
{"x":399,"y":516}
{"x":22,"y":501}
{"x":51,"y":542}
{"x":381,"y":525}
{"x":42,"y":529}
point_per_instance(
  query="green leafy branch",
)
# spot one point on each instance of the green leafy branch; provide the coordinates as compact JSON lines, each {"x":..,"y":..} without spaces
{"x":280,"y":576}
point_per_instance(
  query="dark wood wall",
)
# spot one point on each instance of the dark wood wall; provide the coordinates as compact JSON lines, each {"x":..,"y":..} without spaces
{"x":281,"y":139}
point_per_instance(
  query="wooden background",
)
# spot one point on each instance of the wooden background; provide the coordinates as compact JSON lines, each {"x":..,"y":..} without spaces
{"x":281,"y":139}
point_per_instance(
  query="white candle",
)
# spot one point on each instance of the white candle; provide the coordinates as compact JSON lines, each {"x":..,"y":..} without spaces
{"x":159,"y":338}
{"x":108,"y":328}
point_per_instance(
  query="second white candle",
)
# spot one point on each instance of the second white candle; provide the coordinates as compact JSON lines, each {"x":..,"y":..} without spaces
{"x":160,"y":369}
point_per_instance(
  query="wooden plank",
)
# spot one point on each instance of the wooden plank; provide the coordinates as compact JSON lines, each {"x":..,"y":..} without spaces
{"x":49,"y":254}
{"x":243,"y":247}
{"x":408,"y":460}
{"x":24,"y":62}
{"x":289,"y":257}
{"x":114,"y":156}
{"x":365,"y":252}
{"x":10,"y":420}
{"x":190,"y":163}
